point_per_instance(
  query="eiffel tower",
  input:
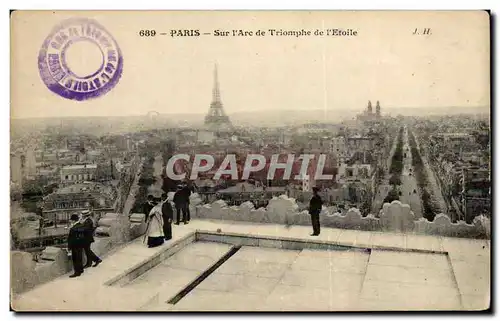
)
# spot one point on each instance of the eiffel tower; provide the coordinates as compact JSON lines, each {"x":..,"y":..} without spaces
{"x":216,"y":119}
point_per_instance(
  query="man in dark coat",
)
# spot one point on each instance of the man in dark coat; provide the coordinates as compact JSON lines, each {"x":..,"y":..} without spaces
{"x":314,"y":209}
{"x":88,"y":224}
{"x":167,"y":215}
{"x":76,"y":241}
{"x":180,"y":205}
{"x":187,"y":194}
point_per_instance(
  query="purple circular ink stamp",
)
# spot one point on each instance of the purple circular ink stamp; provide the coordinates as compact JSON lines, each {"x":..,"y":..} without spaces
{"x":81,"y":74}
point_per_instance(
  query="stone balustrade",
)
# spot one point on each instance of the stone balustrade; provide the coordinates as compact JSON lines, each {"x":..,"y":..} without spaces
{"x":113,"y":229}
{"x":394,"y":217}
{"x":137,"y":225}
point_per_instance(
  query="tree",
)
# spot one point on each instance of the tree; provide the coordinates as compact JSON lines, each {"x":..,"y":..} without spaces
{"x":393,"y":195}
{"x":380,"y":172}
{"x":397,"y":158}
{"x":395,"y":180}
{"x":396,"y":167}
{"x":429,"y":213}
{"x":352,"y":194}
{"x":366,"y":205}
{"x":145,"y":181}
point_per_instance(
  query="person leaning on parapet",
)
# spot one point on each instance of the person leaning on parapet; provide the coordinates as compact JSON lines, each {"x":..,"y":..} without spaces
{"x":315,"y":206}
{"x":180,"y":204}
{"x":76,"y":243}
{"x":167,"y":214}
{"x":89,"y":226}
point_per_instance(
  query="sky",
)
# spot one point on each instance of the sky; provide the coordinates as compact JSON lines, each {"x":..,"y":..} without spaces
{"x":384,"y":62}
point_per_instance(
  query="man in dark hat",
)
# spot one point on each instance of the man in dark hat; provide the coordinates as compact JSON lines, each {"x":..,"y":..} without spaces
{"x":76,"y":241}
{"x":167,"y":215}
{"x":88,"y":224}
{"x":180,"y":204}
{"x":315,"y":206}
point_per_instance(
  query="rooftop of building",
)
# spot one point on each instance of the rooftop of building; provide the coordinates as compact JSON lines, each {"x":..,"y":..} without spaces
{"x":363,"y":158}
{"x":452,"y":134}
{"x":84,"y":187}
{"x":277,"y":268}
{"x":80,"y":166}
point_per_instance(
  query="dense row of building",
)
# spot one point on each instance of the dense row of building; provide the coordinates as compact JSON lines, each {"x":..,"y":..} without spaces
{"x":84,"y":171}
{"x":461,"y":162}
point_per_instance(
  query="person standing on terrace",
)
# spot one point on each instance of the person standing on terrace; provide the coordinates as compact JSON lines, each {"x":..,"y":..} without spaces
{"x":187,"y":194}
{"x":181,"y":203}
{"x":167,"y":216}
{"x":88,"y":224}
{"x":154,"y":232}
{"x":76,"y":243}
{"x":315,"y":206}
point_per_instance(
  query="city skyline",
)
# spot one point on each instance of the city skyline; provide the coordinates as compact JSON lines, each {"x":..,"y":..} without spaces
{"x":393,"y":111}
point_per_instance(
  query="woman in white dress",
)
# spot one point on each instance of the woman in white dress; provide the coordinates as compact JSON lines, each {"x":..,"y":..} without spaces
{"x":155,"y":227}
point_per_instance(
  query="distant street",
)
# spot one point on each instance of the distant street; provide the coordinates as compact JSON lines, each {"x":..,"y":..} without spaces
{"x":437,"y":192}
{"x":384,"y":187}
{"x":408,"y":181}
{"x":391,"y":154}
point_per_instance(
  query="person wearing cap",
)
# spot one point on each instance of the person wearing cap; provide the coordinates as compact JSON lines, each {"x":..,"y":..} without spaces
{"x":76,"y":241}
{"x":167,"y":215}
{"x":88,"y":224}
{"x":315,"y":206}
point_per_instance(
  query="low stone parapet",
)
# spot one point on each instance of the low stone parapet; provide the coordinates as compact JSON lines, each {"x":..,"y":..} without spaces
{"x":112,"y":229}
{"x":102,"y":231}
{"x":443,"y":226}
{"x":23,"y":275}
{"x":393,"y":217}
{"x":116,"y":226}
{"x":137,"y":225}
{"x":53,"y":262}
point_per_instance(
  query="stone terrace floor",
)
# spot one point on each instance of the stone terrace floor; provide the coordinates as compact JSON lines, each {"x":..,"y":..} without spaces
{"x":270,"y":279}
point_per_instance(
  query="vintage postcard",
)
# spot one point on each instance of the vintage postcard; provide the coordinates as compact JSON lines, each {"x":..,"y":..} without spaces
{"x":250,"y":161}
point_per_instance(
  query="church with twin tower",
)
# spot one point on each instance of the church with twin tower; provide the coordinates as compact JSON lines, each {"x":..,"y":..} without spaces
{"x":368,"y":114}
